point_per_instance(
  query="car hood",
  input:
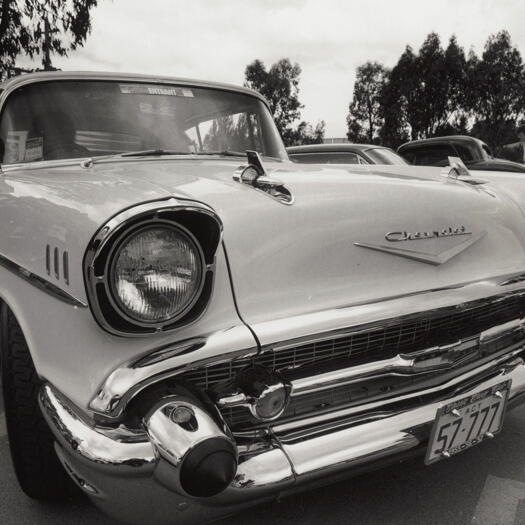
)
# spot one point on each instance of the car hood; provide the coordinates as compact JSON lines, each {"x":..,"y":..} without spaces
{"x":322,"y":252}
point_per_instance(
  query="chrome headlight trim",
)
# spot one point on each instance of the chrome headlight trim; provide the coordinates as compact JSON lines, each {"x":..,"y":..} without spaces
{"x":101,"y":250}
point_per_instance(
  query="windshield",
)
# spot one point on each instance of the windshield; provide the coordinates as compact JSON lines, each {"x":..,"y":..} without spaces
{"x":72,"y":119}
{"x":385,"y":156}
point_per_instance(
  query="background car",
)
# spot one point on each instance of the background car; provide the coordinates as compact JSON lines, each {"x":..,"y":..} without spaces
{"x":344,"y":154}
{"x":473,"y":152}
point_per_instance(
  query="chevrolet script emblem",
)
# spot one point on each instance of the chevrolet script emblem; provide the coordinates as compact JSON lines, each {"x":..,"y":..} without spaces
{"x":433,"y":246}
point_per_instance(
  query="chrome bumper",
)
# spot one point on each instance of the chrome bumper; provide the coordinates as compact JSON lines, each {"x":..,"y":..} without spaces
{"x":123,"y":470}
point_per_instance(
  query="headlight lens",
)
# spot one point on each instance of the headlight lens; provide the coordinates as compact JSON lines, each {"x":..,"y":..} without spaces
{"x":156,"y":274}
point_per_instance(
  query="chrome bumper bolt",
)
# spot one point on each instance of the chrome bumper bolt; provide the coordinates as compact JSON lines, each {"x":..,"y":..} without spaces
{"x":456,"y":412}
{"x":498,"y":394}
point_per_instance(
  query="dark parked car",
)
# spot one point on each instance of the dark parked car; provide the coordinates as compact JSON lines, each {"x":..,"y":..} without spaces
{"x":344,"y":154}
{"x":473,"y":152}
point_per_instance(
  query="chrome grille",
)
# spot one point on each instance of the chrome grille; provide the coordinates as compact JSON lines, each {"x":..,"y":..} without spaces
{"x":362,"y":344}
{"x":406,"y":336}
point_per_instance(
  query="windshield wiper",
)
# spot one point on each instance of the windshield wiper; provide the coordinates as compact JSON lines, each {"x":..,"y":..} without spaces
{"x":89,"y":161}
{"x":154,"y":153}
{"x":224,"y":153}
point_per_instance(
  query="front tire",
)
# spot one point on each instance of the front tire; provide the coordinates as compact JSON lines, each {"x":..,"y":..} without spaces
{"x":37,"y":467}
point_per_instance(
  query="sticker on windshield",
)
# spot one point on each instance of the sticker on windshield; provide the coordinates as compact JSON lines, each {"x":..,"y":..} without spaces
{"x":141,"y":89}
{"x":15,"y":146}
{"x":34,"y":149}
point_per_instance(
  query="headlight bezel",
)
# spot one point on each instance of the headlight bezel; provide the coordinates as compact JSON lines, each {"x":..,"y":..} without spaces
{"x":120,"y":243}
{"x":198,"y":221}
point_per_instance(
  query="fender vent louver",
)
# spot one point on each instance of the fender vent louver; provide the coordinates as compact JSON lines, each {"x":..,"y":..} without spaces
{"x":56,"y":264}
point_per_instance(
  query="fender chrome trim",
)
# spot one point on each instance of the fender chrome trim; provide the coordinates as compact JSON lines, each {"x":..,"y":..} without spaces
{"x":40,"y":283}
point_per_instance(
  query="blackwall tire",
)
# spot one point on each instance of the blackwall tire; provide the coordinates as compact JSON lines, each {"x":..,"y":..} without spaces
{"x":37,"y":467}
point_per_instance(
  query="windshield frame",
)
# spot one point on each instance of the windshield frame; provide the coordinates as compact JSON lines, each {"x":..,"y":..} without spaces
{"x":9,"y":87}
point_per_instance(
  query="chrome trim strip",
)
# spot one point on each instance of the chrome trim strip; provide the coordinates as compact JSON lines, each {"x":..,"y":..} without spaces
{"x":40,"y":283}
{"x":131,"y":378}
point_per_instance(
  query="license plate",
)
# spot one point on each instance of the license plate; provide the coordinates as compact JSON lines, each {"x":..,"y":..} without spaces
{"x":467,"y":422}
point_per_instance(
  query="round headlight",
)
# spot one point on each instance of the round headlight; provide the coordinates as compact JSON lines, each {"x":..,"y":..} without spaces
{"x":156,"y":273}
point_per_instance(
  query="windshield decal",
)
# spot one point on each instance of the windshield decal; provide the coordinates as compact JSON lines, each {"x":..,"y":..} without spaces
{"x":34,"y":149}
{"x":170,"y":91}
{"x":15,"y":146}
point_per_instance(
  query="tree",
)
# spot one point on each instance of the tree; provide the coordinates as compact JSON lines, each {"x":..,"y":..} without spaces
{"x":497,"y":82}
{"x":426,"y":93}
{"x":308,"y":134}
{"x":280,"y":86}
{"x":365,"y":118}
{"x":39,"y":28}
{"x":457,"y":90}
{"x":397,"y":93}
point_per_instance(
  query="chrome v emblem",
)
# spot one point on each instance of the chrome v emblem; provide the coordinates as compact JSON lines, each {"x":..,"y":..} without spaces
{"x":432,"y":252}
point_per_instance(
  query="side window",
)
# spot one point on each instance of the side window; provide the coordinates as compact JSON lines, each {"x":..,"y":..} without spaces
{"x":325,"y":157}
{"x":432,"y":155}
{"x":464,"y":152}
{"x":361,"y":160}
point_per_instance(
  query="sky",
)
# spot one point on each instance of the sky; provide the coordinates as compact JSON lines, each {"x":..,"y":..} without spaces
{"x":216,"y":39}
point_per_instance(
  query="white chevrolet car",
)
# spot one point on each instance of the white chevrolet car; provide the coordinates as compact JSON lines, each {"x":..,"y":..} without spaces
{"x":192,"y":324}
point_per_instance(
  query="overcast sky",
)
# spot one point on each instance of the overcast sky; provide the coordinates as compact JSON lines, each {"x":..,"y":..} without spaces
{"x":215,"y":39}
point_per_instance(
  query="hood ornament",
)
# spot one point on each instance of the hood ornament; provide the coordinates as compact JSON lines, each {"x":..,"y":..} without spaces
{"x":436,"y":247}
{"x":255,"y":175}
{"x":457,"y":170}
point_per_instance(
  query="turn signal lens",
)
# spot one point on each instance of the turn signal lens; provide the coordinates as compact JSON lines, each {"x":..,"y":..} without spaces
{"x":157,"y":274}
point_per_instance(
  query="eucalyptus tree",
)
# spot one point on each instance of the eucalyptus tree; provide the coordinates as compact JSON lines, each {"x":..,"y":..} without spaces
{"x":37,"y":28}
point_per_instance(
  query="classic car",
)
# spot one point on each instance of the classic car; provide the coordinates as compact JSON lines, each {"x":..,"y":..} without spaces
{"x":343,"y":153}
{"x":192,"y":324}
{"x":472,"y":151}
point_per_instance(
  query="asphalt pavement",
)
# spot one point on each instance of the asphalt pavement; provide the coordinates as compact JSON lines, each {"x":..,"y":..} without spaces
{"x":482,"y":486}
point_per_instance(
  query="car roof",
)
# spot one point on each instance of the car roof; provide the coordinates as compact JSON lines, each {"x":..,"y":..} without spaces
{"x":343,"y":146}
{"x":438,"y":140}
{"x":49,"y":76}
